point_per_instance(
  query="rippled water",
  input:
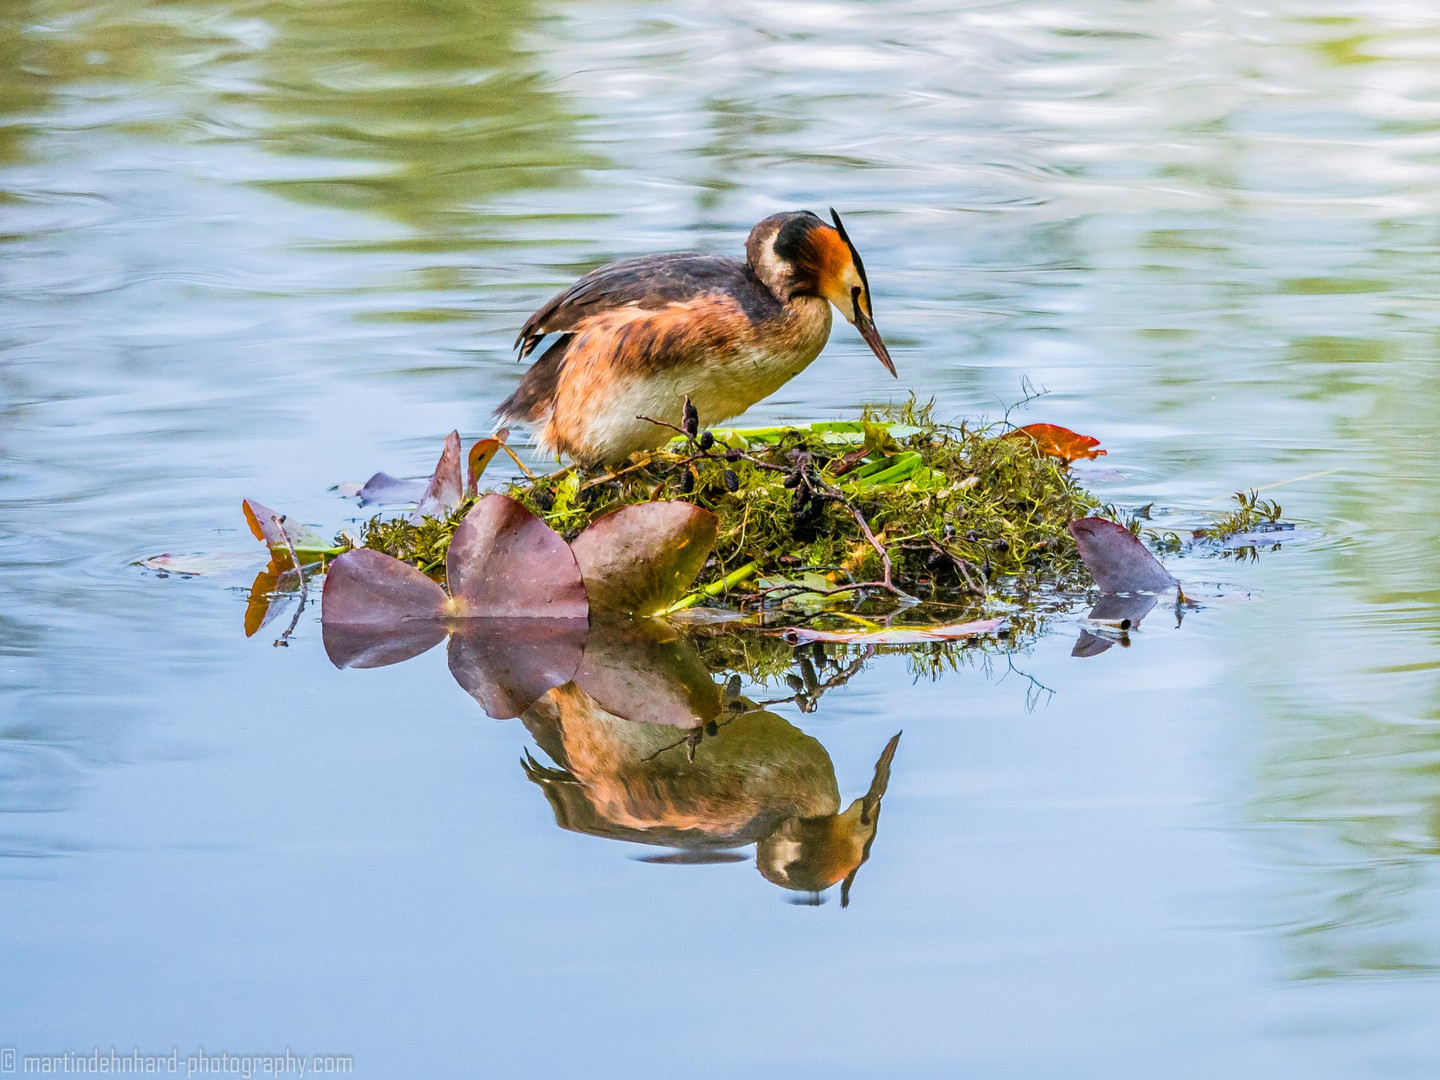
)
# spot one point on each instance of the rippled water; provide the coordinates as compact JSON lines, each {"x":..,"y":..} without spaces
{"x":259,"y":248}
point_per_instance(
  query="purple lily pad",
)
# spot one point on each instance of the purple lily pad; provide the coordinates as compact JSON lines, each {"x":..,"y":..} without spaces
{"x":504,"y":562}
{"x":384,"y":488}
{"x":369,"y":588}
{"x":446,"y":486}
{"x":1117,"y":559}
{"x":641,"y":559}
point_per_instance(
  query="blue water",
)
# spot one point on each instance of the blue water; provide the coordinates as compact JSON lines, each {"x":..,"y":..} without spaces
{"x":255,"y":249}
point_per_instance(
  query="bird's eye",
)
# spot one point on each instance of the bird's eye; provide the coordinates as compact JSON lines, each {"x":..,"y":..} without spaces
{"x":855,"y":299}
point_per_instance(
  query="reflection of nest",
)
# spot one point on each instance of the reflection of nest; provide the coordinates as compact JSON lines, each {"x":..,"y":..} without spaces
{"x":753,"y":778}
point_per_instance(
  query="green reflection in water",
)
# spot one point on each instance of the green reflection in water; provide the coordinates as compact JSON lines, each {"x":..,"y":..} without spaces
{"x":433,"y":101}
{"x":420,"y":111}
{"x":1349,"y":785}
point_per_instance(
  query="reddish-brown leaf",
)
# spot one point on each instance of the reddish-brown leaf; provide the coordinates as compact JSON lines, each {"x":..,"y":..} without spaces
{"x":1059,"y":442}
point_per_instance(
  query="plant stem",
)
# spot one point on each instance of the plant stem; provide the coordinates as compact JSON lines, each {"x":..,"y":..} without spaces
{"x":715,"y":588}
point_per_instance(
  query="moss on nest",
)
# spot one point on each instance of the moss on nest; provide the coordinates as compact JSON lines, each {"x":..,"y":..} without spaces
{"x":962,"y":511}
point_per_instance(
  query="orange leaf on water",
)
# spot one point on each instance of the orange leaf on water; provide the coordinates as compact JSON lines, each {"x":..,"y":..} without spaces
{"x":1059,"y":442}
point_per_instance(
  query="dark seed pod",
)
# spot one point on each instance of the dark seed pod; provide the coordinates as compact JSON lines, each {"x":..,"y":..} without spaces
{"x":935,"y":558}
{"x":712,"y":729}
{"x":687,"y":481}
{"x":707,"y":440}
{"x":795,"y":682}
{"x":1002,"y":545}
{"x":793,"y":480}
{"x":544,"y":498}
{"x":691,"y":423}
{"x":949,"y":531}
{"x":972,"y":536}
{"x":732,"y":482}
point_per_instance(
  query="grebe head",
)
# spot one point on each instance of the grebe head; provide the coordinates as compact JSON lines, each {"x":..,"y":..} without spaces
{"x":798,"y":254}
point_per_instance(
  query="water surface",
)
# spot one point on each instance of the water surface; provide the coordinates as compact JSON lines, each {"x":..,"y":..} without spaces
{"x":253,"y":249}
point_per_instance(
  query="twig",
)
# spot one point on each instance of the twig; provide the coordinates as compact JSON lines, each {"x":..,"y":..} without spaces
{"x":1034,"y":690}
{"x":516,"y":458}
{"x":711,"y":455}
{"x":1027,"y":388}
{"x":840,"y":678}
{"x":283,"y":641}
{"x":839,"y":497}
{"x":690,"y":740}
{"x":665,"y":424}
{"x":616,"y":474}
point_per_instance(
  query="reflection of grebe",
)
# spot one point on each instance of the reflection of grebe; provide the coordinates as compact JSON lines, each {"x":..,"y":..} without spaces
{"x":755,"y":779}
{"x":811,"y":854}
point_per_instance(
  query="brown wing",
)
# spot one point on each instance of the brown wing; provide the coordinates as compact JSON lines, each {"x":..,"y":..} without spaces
{"x":625,"y":339}
{"x":650,"y":283}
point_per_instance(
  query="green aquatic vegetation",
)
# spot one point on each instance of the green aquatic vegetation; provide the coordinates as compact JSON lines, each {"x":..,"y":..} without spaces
{"x":423,"y":544}
{"x":808,"y":513}
{"x":1251,"y":513}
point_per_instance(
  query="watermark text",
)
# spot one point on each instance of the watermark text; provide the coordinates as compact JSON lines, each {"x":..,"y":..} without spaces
{"x":134,"y":1062}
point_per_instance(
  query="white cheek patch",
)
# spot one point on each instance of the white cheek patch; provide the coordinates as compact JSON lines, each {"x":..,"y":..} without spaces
{"x":771,"y":267}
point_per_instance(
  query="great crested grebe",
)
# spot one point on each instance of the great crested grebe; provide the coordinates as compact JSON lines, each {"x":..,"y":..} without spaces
{"x":639,"y":336}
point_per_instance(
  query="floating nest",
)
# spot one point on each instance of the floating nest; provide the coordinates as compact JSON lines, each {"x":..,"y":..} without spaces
{"x":894,"y":504}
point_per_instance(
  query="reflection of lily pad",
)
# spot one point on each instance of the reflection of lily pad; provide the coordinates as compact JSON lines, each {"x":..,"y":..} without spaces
{"x":1122,"y":612}
{"x":647,"y":672}
{"x":508,"y":664}
{"x":380,"y":646}
{"x":1113,"y":616}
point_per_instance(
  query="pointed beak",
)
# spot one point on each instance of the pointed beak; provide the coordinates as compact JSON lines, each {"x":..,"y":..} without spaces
{"x":866,"y":326}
